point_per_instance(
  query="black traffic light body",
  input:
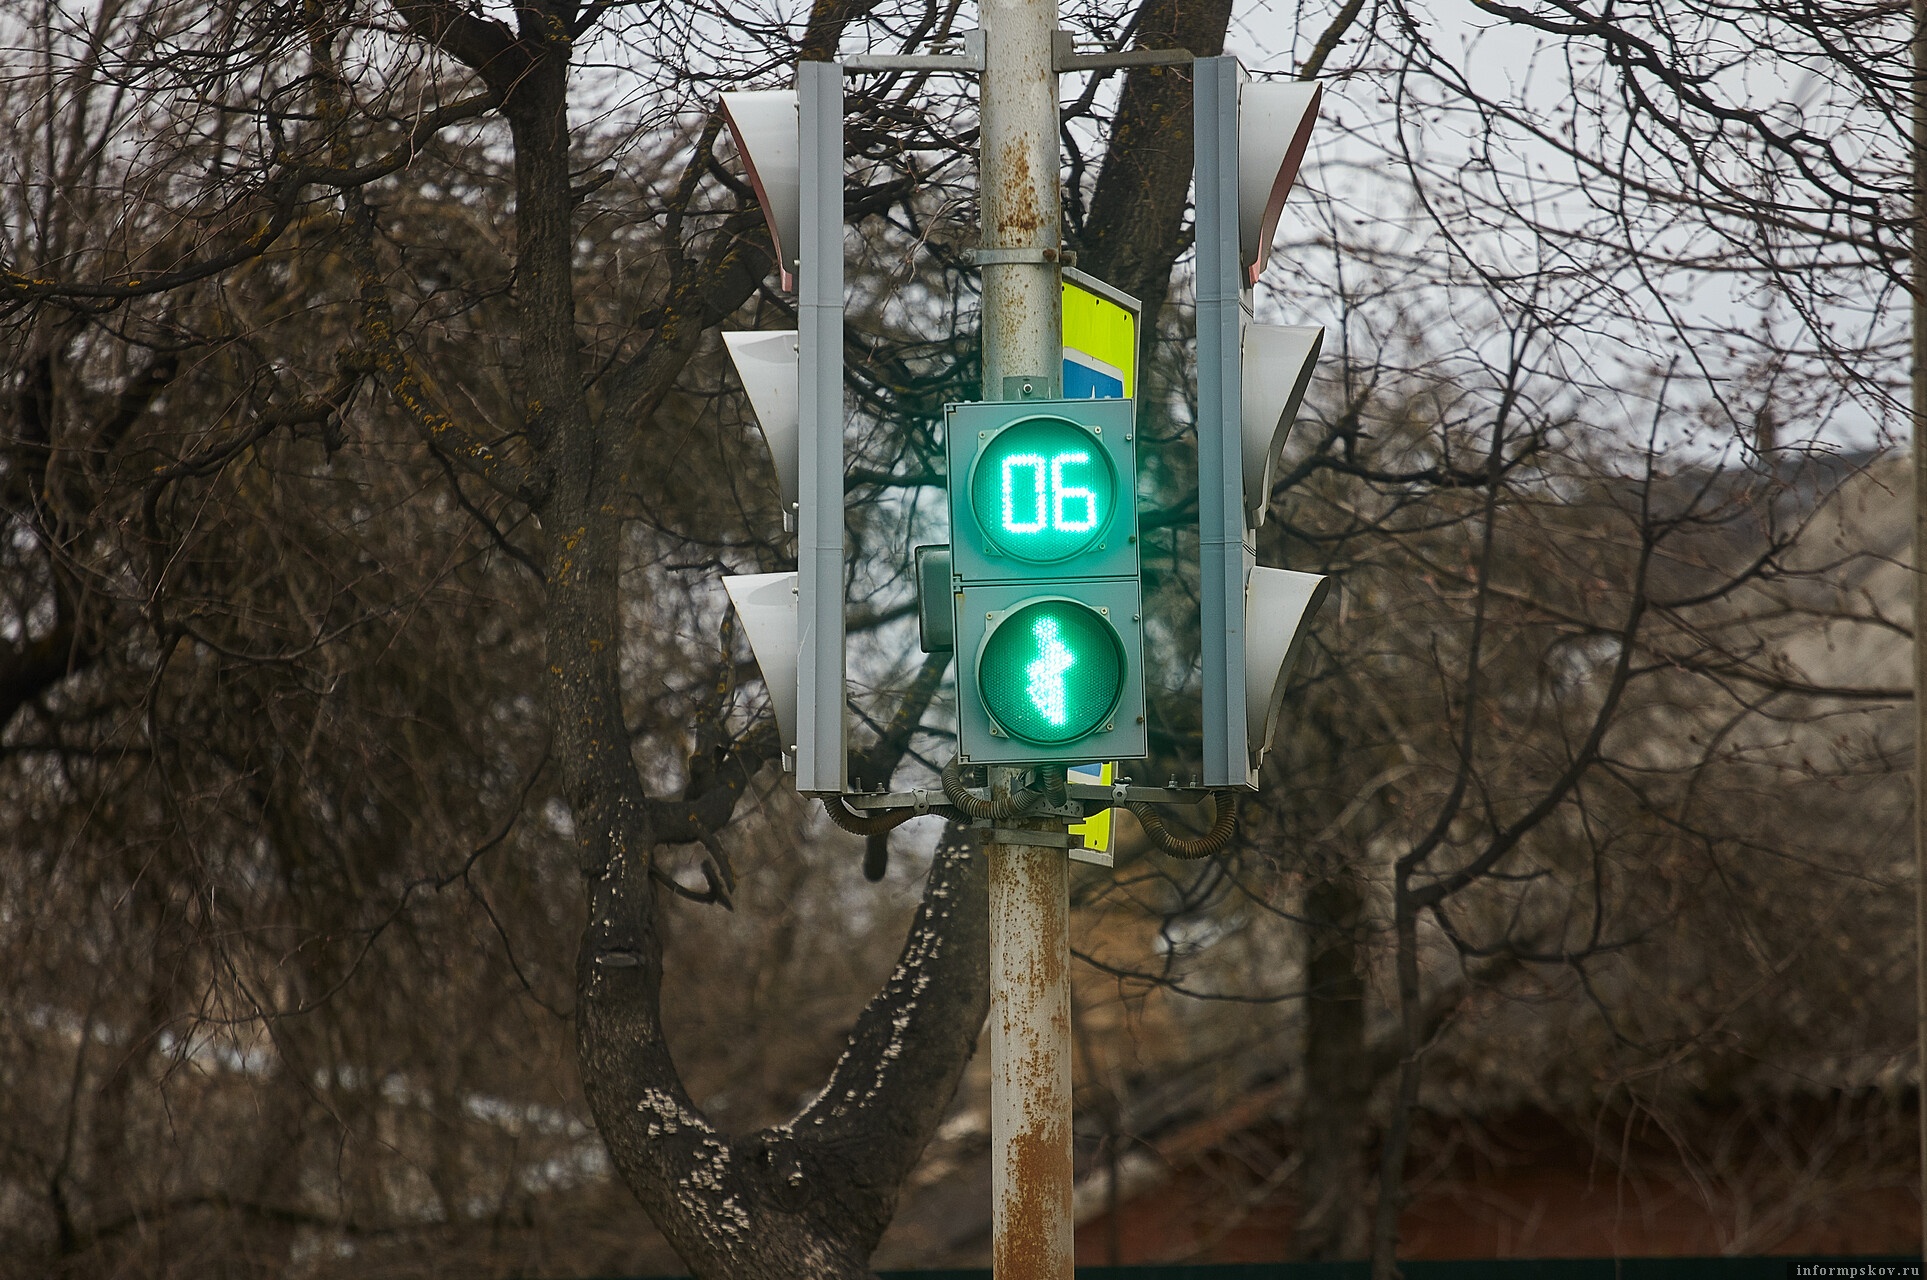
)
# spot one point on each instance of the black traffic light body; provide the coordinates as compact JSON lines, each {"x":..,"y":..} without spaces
{"x":1047,"y":603}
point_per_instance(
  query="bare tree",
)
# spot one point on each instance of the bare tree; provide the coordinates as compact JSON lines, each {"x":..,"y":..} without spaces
{"x":368,"y":400}
{"x":359,"y":603}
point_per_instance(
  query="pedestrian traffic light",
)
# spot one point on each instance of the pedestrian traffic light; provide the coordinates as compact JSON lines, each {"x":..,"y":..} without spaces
{"x":1047,"y":606}
{"x":791,"y":142}
{"x":1250,"y":139}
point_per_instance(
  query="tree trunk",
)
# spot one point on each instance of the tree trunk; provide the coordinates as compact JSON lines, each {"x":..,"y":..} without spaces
{"x":1340,"y":1073}
{"x":1133,"y":234}
{"x":810,"y":1197}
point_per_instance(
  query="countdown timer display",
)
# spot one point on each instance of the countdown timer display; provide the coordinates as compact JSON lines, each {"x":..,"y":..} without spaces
{"x":1043,"y":489}
{"x":1051,"y":671}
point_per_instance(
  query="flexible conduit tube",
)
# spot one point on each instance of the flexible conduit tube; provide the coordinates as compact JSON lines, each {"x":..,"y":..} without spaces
{"x":977,"y":806}
{"x":1216,"y":840}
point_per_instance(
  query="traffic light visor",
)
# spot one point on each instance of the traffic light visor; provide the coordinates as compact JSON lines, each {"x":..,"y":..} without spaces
{"x":1051,"y":671}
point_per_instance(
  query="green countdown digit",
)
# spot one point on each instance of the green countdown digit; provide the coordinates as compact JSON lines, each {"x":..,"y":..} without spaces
{"x":1042,"y":490}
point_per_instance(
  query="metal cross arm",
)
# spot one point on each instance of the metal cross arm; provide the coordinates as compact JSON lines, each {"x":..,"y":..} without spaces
{"x":970,"y":61}
{"x":1066,"y":59}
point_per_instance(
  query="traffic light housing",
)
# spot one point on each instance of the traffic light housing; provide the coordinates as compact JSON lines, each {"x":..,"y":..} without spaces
{"x":1047,"y":606}
{"x":1250,"y":138}
{"x":791,"y":143}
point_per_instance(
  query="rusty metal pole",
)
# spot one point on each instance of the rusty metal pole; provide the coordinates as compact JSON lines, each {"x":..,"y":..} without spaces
{"x":1030,"y":1014}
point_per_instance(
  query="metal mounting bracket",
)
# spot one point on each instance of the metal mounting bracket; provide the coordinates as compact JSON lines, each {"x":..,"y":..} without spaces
{"x":1106,"y":796}
{"x":922,"y":799}
{"x":1072,"y":845}
{"x":969,"y":62}
{"x":1085,"y":799}
{"x":985,"y":257}
{"x":1039,"y":839}
{"x":1064,"y":56}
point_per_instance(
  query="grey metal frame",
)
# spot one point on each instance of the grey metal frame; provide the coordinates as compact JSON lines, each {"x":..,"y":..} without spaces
{"x":982,"y":583}
{"x":822,"y":760}
{"x":980,"y":605}
{"x":969,"y":428}
{"x":1223,"y":551}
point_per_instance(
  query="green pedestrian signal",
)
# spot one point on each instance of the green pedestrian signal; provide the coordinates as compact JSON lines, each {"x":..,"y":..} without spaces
{"x":1047,"y":605}
{"x":1051,"y":671}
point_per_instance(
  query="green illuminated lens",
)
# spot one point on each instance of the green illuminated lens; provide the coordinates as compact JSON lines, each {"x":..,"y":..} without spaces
{"x":1051,"y":672}
{"x":1043,"y":490}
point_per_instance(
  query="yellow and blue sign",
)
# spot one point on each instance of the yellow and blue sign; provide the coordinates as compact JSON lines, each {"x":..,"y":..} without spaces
{"x":1095,"y":829}
{"x":1100,"y":340}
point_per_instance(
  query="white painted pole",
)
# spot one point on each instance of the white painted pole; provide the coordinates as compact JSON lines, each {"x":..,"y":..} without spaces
{"x":1030,"y":1015}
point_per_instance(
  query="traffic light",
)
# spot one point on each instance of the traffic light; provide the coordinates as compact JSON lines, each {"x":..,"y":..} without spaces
{"x":791,"y":142}
{"x":1043,"y":564}
{"x":1250,"y":139}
